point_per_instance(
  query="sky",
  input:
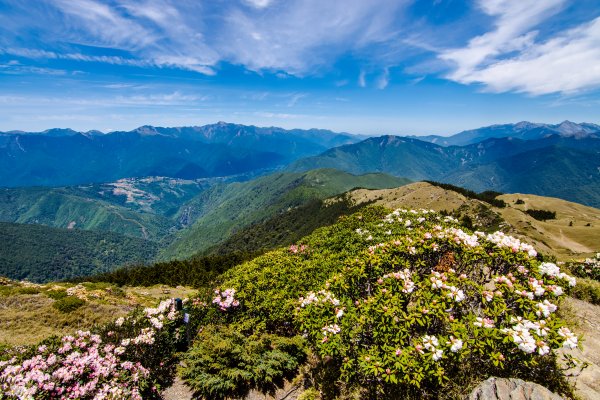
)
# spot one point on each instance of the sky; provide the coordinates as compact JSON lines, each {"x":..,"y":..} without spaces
{"x":360,"y":66}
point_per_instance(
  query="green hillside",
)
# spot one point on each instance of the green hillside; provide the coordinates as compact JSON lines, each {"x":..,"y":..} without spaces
{"x":70,"y":208}
{"x":224,"y":209}
{"x":40,"y":254}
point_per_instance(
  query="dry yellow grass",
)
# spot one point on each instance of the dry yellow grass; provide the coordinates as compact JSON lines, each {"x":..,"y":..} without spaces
{"x":554,"y":237}
{"x":27,"y":317}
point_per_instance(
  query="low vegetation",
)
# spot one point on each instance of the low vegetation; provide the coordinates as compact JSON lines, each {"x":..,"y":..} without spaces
{"x":383,"y":305}
{"x":42,"y":254}
{"x":489,"y":196}
{"x":541,"y":215}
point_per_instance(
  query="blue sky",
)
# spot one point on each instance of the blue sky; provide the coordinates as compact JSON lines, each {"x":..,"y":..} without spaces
{"x":361,"y":66}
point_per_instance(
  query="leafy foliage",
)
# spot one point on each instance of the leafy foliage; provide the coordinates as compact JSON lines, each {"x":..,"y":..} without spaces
{"x":225,"y":363}
{"x":421,"y":310}
{"x":41,"y":254}
{"x":195,"y":272}
{"x":68,"y":304}
{"x":541,"y":215}
{"x":405,"y":304}
{"x":589,"y":268}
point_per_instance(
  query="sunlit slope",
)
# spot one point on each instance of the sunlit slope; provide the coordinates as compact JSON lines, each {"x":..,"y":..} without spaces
{"x":555,"y":237}
{"x":226,"y":209}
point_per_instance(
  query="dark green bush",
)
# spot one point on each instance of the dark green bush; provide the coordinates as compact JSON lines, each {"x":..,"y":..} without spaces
{"x":68,"y":304}
{"x":488,"y":196}
{"x":225,"y":363}
{"x":541,"y":215}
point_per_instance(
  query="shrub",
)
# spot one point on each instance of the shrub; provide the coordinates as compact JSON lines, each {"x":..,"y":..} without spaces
{"x":234,"y":364}
{"x":416,"y":314}
{"x":587,"y":290}
{"x":590,"y":268}
{"x":131,"y":358}
{"x":541,"y":215}
{"x":519,"y":201}
{"x":68,"y":304}
{"x":404,"y":305}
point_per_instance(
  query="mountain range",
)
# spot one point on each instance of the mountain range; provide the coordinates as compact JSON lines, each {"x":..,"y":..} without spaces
{"x":58,"y":157}
{"x":522,"y":130}
{"x":560,"y":166}
{"x":179,"y":192}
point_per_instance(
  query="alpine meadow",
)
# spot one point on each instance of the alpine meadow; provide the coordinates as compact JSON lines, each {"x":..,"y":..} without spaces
{"x":300,"y":200}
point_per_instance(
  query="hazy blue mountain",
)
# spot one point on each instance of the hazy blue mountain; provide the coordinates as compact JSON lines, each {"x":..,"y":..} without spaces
{"x":565,"y":167}
{"x":59,"y":157}
{"x":522,"y":130}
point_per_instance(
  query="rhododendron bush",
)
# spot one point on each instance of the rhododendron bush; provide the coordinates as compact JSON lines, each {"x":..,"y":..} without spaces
{"x":407,"y":304}
{"x":417,"y":311}
{"x":130,"y":358}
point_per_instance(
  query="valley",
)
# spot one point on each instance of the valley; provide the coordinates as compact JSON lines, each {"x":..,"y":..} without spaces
{"x":98,"y":251}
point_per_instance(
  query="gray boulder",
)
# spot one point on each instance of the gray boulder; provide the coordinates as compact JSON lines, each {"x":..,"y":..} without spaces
{"x":511,"y":389}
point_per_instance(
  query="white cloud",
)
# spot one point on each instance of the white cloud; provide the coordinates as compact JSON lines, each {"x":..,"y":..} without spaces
{"x":300,"y":37}
{"x":383,"y":80}
{"x":509,"y":58}
{"x":294,"y":98}
{"x":567,"y":63}
{"x":306,"y":34}
{"x":259,"y":3}
{"x":362,"y":79}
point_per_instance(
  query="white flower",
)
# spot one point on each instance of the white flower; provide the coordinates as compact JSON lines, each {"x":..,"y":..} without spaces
{"x":456,"y":344}
{"x":456,"y":294}
{"x":339,"y":313}
{"x":430,"y":342}
{"x":543,"y":348}
{"x":570,"y":338}
{"x":437,"y":354}
{"x":550,"y":269}
{"x":335,"y":329}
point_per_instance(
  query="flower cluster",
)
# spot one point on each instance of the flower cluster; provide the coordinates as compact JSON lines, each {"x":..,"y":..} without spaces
{"x":431,"y":343}
{"x":590,"y":268}
{"x":87,"y":365}
{"x":501,"y":239}
{"x":461,"y":237}
{"x":405,"y":275}
{"x":295,"y":249}
{"x":431,"y":293}
{"x":323,"y":296}
{"x":225,"y":299}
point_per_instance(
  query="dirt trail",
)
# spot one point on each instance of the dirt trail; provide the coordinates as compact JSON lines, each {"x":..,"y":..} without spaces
{"x":142,"y":227}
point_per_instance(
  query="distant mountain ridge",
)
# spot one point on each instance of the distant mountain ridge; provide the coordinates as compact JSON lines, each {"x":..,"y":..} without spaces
{"x":522,"y":130}
{"x":558,"y":166}
{"x":59,"y":157}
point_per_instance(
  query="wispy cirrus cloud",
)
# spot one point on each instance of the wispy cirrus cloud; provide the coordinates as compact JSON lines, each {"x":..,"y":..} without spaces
{"x":299,"y":38}
{"x":510,"y":58}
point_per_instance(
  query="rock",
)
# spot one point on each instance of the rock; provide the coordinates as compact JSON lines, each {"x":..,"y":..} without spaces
{"x":511,"y":389}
